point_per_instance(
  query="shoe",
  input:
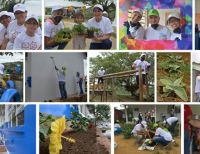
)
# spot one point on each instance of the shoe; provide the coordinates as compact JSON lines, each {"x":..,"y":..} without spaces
{"x":141,"y":148}
{"x":149,"y":148}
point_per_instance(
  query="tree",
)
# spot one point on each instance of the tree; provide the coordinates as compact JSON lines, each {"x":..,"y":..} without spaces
{"x":8,"y":5}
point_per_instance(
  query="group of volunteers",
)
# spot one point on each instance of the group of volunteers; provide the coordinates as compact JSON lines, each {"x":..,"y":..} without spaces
{"x":19,"y":30}
{"x":100,"y":40}
{"x":155,"y":31}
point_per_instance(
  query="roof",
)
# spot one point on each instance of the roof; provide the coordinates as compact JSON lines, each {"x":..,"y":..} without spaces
{"x":50,"y":3}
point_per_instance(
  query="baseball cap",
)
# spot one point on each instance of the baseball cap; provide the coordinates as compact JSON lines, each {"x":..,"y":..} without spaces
{"x":2,"y":13}
{"x":98,"y":6}
{"x":55,"y":8}
{"x":19,"y":7}
{"x":175,"y":15}
{"x":143,"y":54}
{"x":153,"y":12}
{"x":32,"y":17}
{"x":139,"y":11}
{"x":1,"y":68}
{"x":144,"y":123}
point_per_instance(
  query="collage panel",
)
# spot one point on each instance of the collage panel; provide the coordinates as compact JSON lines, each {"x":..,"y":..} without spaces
{"x":17,"y":129}
{"x":146,"y":129}
{"x":121,"y":77}
{"x":20,"y":25}
{"x":11,"y":77}
{"x":155,"y":25}
{"x":56,"y":77}
{"x":197,"y":25}
{"x":173,"y":77}
{"x":72,"y":129}
{"x":80,"y":25}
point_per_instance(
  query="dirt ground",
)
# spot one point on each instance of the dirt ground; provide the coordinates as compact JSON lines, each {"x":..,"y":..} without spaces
{"x":128,"y":146}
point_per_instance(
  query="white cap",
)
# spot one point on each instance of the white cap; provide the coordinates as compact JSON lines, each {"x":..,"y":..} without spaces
{"x":143,"y":54}
{"x":2,"y":13}
{"x":144,"y":123}
{"x":12,"y":15}
{"x":164,"y":122}
{"x":55,"y":8}
{"x":139,"y":11}
{"x":1,"y":68}
{"x":104,"y":12}
{"x":19,"y":7}
{"x":98,"y":6}
{"x":101,"y":67}
{"x":175,"y":15}
{"x":32,"y":17}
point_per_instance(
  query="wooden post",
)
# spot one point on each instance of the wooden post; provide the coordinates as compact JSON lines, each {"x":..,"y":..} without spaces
{"x":93,"y":89}
{"x":140,"y":84}
{"x":104,"y":90}
{"x":112,"y":89}
{"x":147,"y":86}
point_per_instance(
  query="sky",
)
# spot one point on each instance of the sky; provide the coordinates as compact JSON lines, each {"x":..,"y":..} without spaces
{"x":14,"y":58}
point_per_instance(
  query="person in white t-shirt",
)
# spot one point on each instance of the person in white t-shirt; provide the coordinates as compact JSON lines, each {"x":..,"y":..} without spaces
{"x":100,"y":73}
{"x":162,"y":137}
{"x":80,"y":82}
{"x":135,"y":28}
{"x":29,"y":40}
{"x":5,"y":19}
{"x":101,"y":40}
{"x":174,"y":21}
{"x":52,"y":26}
{"x":156,"y":31}
{"x":197,"y":88}
{"x":140,"y":131}
{"x":171,"y":123}
{"x":61,"y":73}
{"x":144,"y":66}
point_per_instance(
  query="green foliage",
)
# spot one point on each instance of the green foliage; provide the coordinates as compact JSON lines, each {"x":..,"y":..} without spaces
{"x":79,"y":29}
{"x":91,"y":31}
{"x":63,"y":35}
{"x":126,"y":130}
{"x":45,"y":125}
{"x":175,"y":86}
{"x":78,"y":122}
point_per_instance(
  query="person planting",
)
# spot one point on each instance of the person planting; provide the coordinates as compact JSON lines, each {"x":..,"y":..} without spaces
{"x":171,"y":123}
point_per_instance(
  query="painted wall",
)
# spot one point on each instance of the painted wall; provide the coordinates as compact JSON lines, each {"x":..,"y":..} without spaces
{"x":44,"y":77}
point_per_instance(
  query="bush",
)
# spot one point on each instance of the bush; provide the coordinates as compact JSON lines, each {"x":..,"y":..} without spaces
{"x":126,"y":130}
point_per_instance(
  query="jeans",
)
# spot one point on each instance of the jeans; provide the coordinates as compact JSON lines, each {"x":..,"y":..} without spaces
{"x":186,"y":142}
{"x":81,"y":86}
{"x":161,"y":140}
{"x":105,"y":44}
{"x":172,"y":127}
{"x":62,"y":88}
{"x":198,"y":97}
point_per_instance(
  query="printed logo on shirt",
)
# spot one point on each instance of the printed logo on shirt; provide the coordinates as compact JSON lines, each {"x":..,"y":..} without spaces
{"x":29,"y":46}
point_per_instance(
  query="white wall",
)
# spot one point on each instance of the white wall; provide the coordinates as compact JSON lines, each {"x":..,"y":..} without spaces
{"x":44,"y":77}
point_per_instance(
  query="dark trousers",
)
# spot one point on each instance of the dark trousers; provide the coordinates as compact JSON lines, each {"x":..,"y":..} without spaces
{"x":60,"y":45}
{"x":172,"y":127}
{"x":62,"y":88}
{"x":105,"y":44}
{"x":81,"y":86}
{"x":100,"y":80}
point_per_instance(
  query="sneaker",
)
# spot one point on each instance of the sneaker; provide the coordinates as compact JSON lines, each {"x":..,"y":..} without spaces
{"x":150,"y":148}
{"x":141,"y":148}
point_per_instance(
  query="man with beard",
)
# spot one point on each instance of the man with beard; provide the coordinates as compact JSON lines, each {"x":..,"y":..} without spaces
{"x":52,"y":26}
{"x":144,"y":66}
{"x":156,"y":31}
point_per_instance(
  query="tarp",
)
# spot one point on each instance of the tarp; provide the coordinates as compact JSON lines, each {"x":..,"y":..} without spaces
{"x":50,"y":3}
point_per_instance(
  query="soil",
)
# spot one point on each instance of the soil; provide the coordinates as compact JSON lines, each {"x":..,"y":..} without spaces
{"x":86,"y":143}
{"x":129,"y":146}
{"x":163,"y":74}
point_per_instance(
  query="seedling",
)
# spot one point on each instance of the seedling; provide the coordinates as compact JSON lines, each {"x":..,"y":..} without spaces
{"x":64,"y":35}
{"x":91,"y":31}
{"x":79,"y":29}
{"x":175,"y":86}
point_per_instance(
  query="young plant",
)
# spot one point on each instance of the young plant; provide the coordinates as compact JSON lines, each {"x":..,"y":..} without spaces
{"x":91,"y":31}
{"x":57,"y":128}
{"x":63,"y":35}
{"x":177,"y":87}
{"x":126,"y":130}
{"x":79,"y":122}
{"x":79,"y":29}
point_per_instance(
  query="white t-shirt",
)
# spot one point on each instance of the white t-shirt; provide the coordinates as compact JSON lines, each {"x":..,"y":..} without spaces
{"x":171,"y":120}
{"x":161,"y":33}
{"x":61,"y":75}
{"x":144,"y":64}
{"x":50,"y":29}
{"x":101,"y":73}
{"x":166,"y":135}
{"x":104,"y":25}
{"x":2,"y":33}
{"x":25,"y":42}
{"x":174,"y":36}
{"x":13,"y":30}
{"x":138,"y":128}
{"x":197,"y":85}
{"x":137,"y":34}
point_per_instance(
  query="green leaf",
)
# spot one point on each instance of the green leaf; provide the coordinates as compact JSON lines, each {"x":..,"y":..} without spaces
{"x":166,"y":82}
{"x":180,"y":92}
{"x":178,"y":81}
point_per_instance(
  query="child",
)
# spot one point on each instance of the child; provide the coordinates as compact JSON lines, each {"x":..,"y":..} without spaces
{"x":29,"y":40}
{"x":173,"y":21}
{"x":156,"y":31}
{"x":79,"y":40}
